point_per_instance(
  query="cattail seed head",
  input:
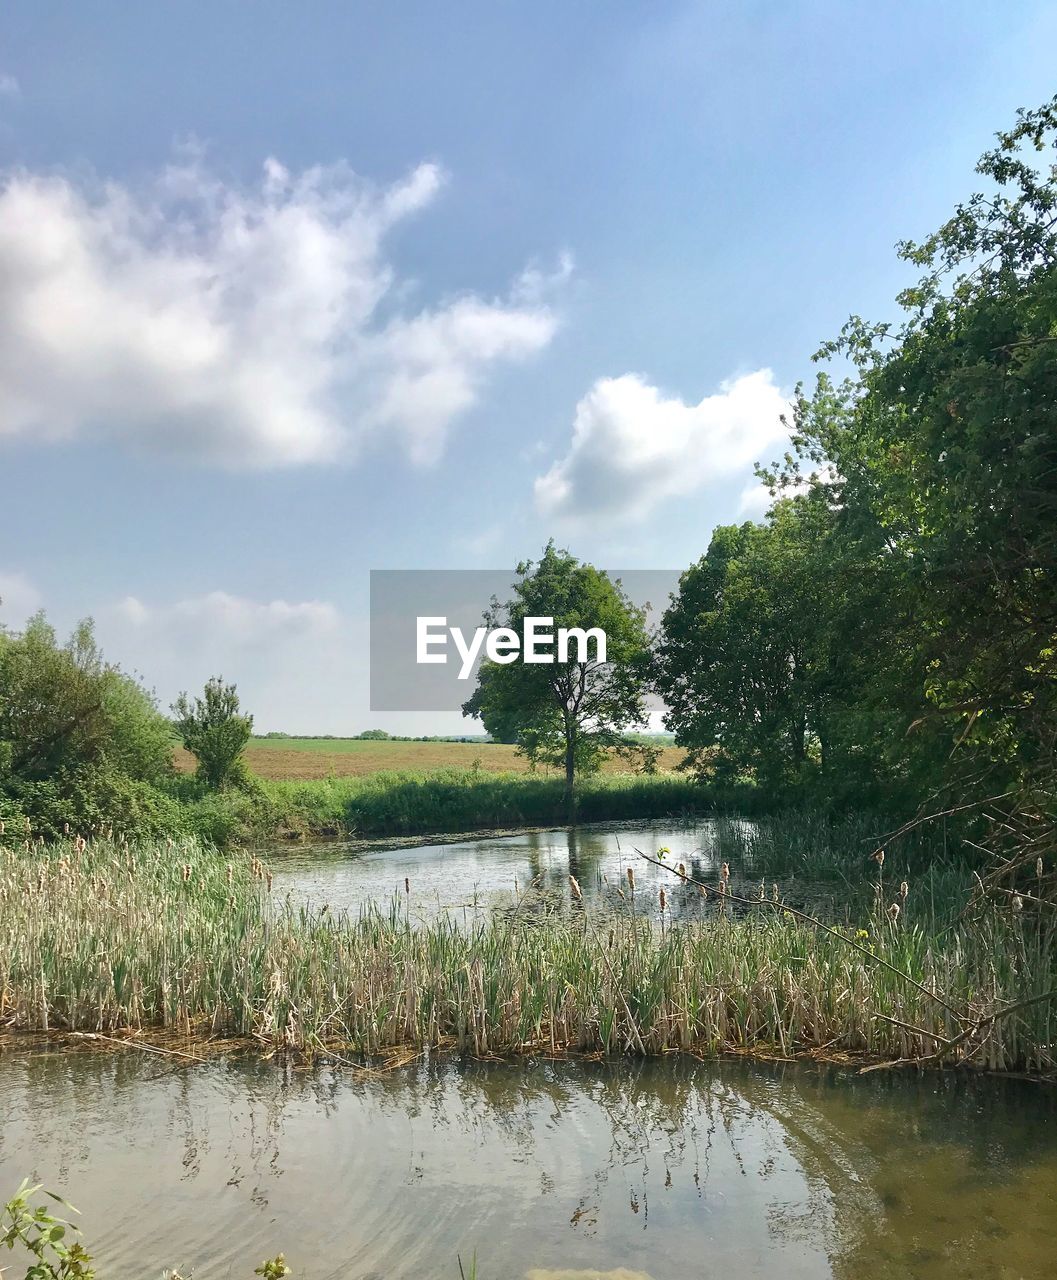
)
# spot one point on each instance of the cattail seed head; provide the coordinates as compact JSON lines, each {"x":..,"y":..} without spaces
{"x":631,"y":877}
{"x":904,"y":889}
{"x":893,"y":912}
{"x":664,"y":900}
{"x":574,"y":885}
{"x":724,"y":871}
{"x":1018,"y":902}
{"x":1038,"y":861}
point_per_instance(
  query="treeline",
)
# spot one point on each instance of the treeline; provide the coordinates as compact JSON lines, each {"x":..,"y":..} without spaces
{"x":889,"y":631}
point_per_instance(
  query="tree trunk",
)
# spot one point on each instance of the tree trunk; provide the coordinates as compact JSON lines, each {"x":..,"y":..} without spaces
{"x":570,"y":771}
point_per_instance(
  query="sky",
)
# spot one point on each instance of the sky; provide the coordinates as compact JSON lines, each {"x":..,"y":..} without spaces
{"x":293,"y":292}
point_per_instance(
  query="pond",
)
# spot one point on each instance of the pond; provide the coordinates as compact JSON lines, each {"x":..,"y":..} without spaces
{"x":546,"y":1170}
{"x":465,"y":878}
{"x":666,"y":1169}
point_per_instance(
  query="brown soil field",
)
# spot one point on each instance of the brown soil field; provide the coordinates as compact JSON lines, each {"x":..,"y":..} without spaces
{"x":316,"y":759}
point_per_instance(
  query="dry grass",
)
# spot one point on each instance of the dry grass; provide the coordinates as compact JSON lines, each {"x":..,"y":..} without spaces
{"x":304,"y":759}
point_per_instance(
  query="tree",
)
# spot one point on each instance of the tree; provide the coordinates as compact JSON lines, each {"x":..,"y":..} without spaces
{"x":944,"y":444}
{"x":80,"y":741}
{"x":568,"y":713}
{"x":779,"y":657}
{"x":215,"y":733}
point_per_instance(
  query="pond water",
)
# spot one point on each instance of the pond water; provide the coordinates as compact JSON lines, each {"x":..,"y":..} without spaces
{"x":666,"y":1169}
{"x":468,"y":877}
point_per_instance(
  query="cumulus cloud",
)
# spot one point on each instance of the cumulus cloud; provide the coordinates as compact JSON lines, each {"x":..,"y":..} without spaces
{"x":246,"y":327}
{"x":9,"y":86}
{"x":633,"y":448}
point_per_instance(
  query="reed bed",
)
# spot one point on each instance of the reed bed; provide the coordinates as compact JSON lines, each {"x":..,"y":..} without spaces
{"x":113,"y":938}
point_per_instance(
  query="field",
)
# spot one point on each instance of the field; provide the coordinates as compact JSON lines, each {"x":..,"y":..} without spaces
{"x":303,"y":759}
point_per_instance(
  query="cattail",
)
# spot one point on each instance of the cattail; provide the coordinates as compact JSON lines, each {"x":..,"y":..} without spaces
{"x":1018,"y":902}
{"x":879,"y":857}
{"x":186,"y":872}
{"x":25,"y":825}
{"x":724,"y":871}
{"x":774,"y":891}
{"x":268,"y":878}
{"x":762,"y":888}
{"x":407,"y":885}
{"x":1038,"y":861}
{"x":65,"y":828}
{"x":631,"y":878}
{"x":664,"y":900}
{"x":231,"y":874}
{"x":904,"y":889}
{"x":574,"y":885}
{"x":893,"y":912}
{"x":682,"y":869}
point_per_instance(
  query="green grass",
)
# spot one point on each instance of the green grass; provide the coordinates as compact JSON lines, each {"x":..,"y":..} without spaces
{"x":108,"y":938}
{"x":403,"y":803}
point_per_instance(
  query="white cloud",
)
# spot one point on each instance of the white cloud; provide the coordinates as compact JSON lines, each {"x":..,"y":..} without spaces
{"x":18,"y":599}
{"x":633,"y":448}
{"x":9,"y":86}
{"x":235,"y":620}
{"x":298,"y":665}
{"x":244,"y":327}
{"x":755,"y":500}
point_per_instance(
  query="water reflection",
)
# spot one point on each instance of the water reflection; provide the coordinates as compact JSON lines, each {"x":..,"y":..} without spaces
{"x":662,"y":1169}
{"x":466,"y":878}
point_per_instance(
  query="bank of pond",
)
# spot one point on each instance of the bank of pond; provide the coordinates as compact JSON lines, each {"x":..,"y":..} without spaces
{"x":595,"y":949}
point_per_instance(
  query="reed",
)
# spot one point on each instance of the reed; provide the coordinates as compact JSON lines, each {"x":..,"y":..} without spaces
{"x":111,"y":938}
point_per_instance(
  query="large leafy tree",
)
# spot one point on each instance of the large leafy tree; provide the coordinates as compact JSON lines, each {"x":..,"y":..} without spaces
{"x":777,"y":656}
{"x":568,"y":714}
{"x":944,"y":442}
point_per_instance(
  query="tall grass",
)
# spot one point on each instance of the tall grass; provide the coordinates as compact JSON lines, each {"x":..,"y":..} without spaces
{"x":107,"y":938}
{"x":412,"y":803}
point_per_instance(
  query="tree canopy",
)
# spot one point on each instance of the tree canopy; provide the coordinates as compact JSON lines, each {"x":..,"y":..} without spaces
{"x":568,"y":714}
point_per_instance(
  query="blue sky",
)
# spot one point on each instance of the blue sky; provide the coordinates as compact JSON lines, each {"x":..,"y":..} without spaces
{"x":293,"y":292}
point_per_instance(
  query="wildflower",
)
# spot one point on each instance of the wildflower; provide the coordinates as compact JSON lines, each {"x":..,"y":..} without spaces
{"x":862,"y":934}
